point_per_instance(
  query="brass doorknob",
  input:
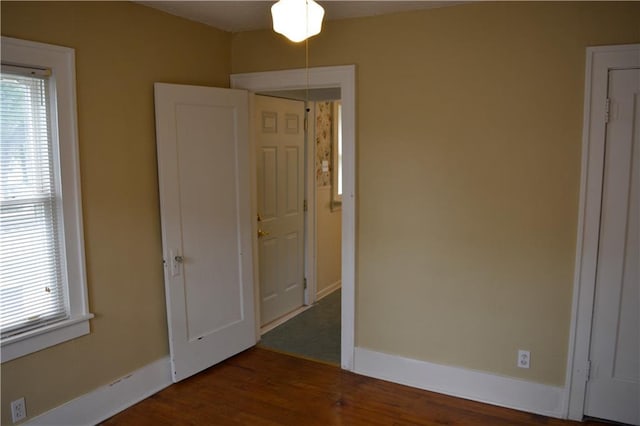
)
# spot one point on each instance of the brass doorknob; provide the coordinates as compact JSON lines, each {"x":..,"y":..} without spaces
{"x":262,"y":233}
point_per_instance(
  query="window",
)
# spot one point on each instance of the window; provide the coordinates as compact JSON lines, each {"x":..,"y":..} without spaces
{"x":336,"y":148}
{"x":42,"y":280}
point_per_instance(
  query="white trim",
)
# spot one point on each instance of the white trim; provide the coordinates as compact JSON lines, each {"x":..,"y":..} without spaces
{"x":336,"y":199}
{"x":328,"y":290}
{"x":598,"y":63}
{"x":311,"y":223}
{"x":107,"y":401}
{"x":462,"y":383}
{"x":326,"y":77}
{"x":253,"y":176}
{"x":41,"y":338}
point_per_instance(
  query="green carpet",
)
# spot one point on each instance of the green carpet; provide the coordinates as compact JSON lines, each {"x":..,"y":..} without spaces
{"x":315,"y":333}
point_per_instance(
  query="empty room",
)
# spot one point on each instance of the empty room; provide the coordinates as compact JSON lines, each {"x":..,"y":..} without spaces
{"x":162,"y":202}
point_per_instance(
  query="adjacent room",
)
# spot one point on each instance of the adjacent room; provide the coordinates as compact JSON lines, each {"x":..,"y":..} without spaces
{"x":437,"y":170}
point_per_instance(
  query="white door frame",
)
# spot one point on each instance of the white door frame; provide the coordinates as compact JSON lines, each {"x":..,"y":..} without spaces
{"x":598,"y":63}
{"x":328,"y":77}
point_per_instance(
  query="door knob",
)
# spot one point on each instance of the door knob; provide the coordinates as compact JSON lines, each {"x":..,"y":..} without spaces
{"x":262,"y":233}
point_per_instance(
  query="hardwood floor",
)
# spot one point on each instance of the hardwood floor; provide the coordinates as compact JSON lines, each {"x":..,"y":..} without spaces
{"x":261,"y":387}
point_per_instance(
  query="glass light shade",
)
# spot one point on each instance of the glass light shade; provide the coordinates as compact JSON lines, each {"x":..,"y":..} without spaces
{"x":297,"y":20}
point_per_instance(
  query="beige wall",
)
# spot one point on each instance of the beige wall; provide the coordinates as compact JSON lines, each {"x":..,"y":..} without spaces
{"x":121,"y":50}
{"x":468,"y":131}
{"x":328,"y":220}
{"x":329,"y":243}
{"x":468,"y":153}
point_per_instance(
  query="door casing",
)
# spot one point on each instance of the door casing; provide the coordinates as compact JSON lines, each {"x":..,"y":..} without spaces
{"x":342,"y":77}
{"x":598,"y":63}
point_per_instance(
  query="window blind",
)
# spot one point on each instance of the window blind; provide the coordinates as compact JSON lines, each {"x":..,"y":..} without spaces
{"x":32,"y":290}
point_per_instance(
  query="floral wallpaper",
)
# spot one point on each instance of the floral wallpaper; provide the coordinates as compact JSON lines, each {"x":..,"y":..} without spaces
{"x":323,"y":141}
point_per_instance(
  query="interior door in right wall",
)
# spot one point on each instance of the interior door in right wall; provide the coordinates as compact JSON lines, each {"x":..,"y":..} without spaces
{"x":613,"y":387}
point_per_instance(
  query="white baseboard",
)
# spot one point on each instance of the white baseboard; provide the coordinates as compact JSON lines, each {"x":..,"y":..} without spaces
{"x":106,"y":401}
{"x":463,"y":383}
{"x":328,"y":290}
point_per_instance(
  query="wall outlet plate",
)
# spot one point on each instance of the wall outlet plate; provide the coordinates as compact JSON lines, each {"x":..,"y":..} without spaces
{"x":18,"y":410}
{"x":524,"y":358}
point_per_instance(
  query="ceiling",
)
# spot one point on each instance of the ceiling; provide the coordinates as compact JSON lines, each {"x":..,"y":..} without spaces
{"x":241,"y":15}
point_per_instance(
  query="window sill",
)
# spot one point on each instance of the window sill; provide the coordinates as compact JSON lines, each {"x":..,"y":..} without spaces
{"x":336,"y":205}
{"x":35,"y":340}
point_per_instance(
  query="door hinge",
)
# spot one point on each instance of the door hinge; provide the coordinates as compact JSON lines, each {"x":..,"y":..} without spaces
{"x":305,"y":283}
{"x":305,"y":206}
{"x":607,"y":108}
{"x":306,"y":123}
{"x":588,"y":371}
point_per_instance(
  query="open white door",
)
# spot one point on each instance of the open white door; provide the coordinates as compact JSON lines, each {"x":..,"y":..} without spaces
{"x":279,"y":136}
{"x":203,"y":164}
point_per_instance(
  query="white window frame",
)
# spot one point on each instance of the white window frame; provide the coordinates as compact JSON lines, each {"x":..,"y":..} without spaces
{"x":336,"y":197}
{"x":61,"y":62}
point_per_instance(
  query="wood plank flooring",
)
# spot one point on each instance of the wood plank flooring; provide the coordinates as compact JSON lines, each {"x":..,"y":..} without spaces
{"x":262,"y":387}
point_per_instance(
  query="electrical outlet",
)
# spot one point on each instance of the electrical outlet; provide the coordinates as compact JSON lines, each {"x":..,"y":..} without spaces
{"x":18,"y":410}
{"x":524,"y":358}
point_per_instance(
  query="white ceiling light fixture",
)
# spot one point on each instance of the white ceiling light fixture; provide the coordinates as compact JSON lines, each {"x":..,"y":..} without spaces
{"x":297,"y":20}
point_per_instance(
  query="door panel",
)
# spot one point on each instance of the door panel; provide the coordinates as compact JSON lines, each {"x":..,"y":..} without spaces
{"x":293,"y":161}
{"x":280,"y":172}
{"x":291,"y":245}
{"x":613,"y":389}
{"x":269,"y":277}
{"x":203,"y":158}
{"x":268,"y":195}
{"x":206,"y":261}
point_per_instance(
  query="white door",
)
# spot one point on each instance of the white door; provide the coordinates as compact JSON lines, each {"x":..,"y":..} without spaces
{"x":280,"y":178}
{"x":613,"y":387}
{"x":203,"y":169}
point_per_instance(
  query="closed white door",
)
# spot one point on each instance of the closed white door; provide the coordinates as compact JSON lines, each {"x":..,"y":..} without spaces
{"x":613,"y":387}
{"x":280,"y":178}
{"x":203,"y":170}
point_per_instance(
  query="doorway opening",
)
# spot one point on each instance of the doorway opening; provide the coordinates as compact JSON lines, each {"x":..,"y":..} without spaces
{"x":342,"y":79}
{"x":301,"y":322}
